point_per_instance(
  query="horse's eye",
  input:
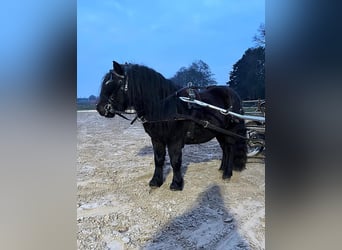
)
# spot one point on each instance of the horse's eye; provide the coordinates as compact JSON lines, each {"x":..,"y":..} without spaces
{"x":120,"y":81}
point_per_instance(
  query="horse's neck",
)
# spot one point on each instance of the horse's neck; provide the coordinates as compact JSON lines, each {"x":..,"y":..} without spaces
{"x":147,"y":100}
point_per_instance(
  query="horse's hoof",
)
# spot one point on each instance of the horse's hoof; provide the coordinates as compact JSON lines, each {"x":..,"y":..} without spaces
{"x":176,"y":187}
{"x":155,"y":184}
{"x":226,"y":178}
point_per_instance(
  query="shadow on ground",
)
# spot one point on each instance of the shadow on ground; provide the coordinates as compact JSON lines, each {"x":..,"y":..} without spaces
{"x":208,"y":225}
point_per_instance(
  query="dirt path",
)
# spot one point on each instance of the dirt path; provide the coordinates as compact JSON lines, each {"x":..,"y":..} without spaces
{"x":118,"y":210}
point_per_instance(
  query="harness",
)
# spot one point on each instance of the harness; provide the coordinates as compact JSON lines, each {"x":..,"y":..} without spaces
{"x":193,"y":104}
{"x":203,"y":123}
{"x":191,"y":100}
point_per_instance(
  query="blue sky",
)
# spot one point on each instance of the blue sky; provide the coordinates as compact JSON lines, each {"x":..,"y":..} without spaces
{"x":162,"y":34}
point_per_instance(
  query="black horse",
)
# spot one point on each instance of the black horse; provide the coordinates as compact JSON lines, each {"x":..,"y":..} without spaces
{"x":173,"y":123}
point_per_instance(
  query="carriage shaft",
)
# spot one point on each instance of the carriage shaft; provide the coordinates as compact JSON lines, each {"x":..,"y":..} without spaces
{"x":223,"y":111}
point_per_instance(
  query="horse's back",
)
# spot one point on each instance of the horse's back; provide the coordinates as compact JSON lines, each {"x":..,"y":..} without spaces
{"x":223,"y":97}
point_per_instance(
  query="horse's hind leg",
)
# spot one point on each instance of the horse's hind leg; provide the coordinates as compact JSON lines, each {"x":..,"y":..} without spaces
{"x":228,"y":170}
{"x":159,"y":159}
{"x":175,"y":153}
{"x":227,"y":157}
{"x":224,"y":158}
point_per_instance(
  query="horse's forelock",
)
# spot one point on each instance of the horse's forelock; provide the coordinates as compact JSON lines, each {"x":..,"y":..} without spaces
{"x":105,"y":78}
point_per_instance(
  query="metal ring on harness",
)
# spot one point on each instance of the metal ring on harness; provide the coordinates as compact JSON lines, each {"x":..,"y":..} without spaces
{"x":224,"y":112}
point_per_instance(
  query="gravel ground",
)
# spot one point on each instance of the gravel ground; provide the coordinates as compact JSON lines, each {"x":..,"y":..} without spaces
{"x":118,"y":210}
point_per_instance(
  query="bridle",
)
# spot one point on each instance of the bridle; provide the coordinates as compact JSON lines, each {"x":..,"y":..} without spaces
{"x":121,"y":77}
{"x":123,"y":81}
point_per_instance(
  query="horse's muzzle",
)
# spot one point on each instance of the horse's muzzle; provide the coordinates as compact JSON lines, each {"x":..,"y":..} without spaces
{"x":106,"y":110}
{"x":109,"y":111}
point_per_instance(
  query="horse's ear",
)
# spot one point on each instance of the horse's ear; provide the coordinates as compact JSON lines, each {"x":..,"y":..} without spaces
{"x":118,"y":69}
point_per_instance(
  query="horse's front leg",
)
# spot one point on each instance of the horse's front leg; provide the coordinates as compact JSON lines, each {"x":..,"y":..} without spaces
{"x":175,"y":153}
{"x":159,"y":159}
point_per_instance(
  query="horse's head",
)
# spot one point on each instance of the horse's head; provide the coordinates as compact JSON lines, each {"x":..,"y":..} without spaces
{"x":113,"y":97}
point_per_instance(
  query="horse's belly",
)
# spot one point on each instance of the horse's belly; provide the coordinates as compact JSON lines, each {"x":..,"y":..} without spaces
{"x":198,"y":135}
{"x":197,"y":140}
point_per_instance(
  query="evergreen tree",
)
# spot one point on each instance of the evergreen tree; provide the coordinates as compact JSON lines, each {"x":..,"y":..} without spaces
{"x":248,"y":74}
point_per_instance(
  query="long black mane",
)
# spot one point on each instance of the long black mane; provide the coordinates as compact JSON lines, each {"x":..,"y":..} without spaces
{"x":150,"y":93}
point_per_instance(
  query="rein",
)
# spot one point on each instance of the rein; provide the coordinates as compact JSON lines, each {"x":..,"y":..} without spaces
{"x":122,"y":116}
{"x":203,"y":123}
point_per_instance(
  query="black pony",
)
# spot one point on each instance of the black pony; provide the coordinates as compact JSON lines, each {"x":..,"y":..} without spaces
{"x":173,"y":123}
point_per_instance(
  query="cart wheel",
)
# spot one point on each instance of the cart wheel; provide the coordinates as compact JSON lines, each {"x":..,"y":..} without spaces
{"x":254,"y":148}
{"x":257,"y":146}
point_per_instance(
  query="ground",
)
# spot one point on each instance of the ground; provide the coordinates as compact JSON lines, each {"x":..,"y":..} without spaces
{"x":118,"y":210}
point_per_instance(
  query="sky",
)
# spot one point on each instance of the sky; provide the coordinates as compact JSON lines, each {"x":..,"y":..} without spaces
{"x":164,"y":35}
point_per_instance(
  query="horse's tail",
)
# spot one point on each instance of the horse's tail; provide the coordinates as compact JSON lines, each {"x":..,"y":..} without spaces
{"x":240,"y":145}
{"x":240,"y":154}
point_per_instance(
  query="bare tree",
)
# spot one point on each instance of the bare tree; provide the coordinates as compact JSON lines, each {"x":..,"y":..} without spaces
{"x":260,"y":37}
{"x":198,"y":73}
